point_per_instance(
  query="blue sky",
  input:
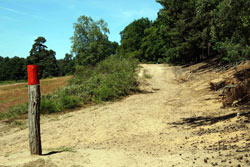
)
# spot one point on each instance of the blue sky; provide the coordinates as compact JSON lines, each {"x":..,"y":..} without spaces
{"x":22,"y":21}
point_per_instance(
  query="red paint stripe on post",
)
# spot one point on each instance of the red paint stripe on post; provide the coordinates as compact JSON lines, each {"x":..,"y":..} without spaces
{"x":32,"y":75}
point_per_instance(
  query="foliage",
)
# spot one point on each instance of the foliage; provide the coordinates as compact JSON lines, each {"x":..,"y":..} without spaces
{"x":90,"y":42}
{"x":69,"y":102}
{"x":110,"y":79}
{"x":46,"y":59}
{"x":12,"y":68}
{"x":14,"y":112}
{"x":186,"y":30}
{"x":198,"y":29}
{"x":49,"y":105}
{"x":190,"y":31}
{"x":153,"y":46}
{"x":230,"y":30}
{"x":131,"y":38}
{"x":66,"y":65}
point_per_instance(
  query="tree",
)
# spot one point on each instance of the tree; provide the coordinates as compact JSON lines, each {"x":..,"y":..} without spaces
{"x":230,"y":30}
{"x":66,"y":65}
{"x":49,"y":64}
{"x":198,"y":29}
{"x":69,"y":64}
{"x":46,"y":59}
{"x":131,"y":38}
{"x":90,"y":42}
{"x":153,"y":46}
{"x":204,"y":9}
{"x":182,"y":31}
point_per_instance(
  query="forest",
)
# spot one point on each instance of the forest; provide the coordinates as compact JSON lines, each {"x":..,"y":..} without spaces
{"x":185,"y":32}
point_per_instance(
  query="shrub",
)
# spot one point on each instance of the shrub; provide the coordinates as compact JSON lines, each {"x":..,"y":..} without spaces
{"x":233,"y":52}
{"x":110,"y":79}
{"x":49,"y":105}
{"x":69,"y":102}
{"x":15,"y":111}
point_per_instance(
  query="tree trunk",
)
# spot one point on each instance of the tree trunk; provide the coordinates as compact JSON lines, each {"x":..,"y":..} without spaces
{"x":208,"y":49}
{"x":34,"y":120}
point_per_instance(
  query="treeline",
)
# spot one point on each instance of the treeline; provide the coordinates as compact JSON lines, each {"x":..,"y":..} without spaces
{"x":16,"y":68}
{"x":187,"y":31}
{"x":184,"y":32}
{"x":12,"y":68}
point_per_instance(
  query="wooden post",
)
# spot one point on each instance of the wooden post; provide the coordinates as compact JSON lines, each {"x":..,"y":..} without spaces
{"x":34,"y":111}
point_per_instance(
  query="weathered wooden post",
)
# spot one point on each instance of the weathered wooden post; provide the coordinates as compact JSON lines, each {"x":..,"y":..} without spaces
{"x":34,"y":111}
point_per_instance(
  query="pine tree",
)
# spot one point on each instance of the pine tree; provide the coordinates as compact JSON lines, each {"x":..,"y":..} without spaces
{"x":39,"y":55}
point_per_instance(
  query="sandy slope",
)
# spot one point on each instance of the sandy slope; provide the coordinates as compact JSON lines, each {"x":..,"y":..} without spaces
{"x":145,"y":129}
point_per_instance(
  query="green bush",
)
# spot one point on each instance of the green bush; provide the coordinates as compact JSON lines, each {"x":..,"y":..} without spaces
{"x":233,"y":52}
{"x":14,"y":112}
{"x":69,"y":102}
{"x":110,"y":79}
{"x":49,"y":105}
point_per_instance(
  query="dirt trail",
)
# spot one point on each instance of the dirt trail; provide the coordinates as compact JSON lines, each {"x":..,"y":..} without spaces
{"x":170,"y":124}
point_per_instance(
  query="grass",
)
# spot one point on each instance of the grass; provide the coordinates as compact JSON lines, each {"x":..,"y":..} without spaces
{"x":62,"y":149}
{"x":11,"y":82}
{"x":111,"y":79}
{"x":21,"y":124}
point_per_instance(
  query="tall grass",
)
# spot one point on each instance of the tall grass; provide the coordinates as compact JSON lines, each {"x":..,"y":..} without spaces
{"x":11,"y":82}
{"x":109,"y":80}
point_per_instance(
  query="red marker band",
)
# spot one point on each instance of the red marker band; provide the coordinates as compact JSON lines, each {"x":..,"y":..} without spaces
{"x":32,"y":74}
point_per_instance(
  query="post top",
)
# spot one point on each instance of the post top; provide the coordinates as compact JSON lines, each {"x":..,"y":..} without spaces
{"x":32,"y":74}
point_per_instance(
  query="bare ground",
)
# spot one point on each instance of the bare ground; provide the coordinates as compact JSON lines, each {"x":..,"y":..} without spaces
{"x":175,"y":121}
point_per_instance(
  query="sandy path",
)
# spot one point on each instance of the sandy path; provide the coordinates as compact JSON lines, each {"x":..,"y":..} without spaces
{"x":141,"y":130}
